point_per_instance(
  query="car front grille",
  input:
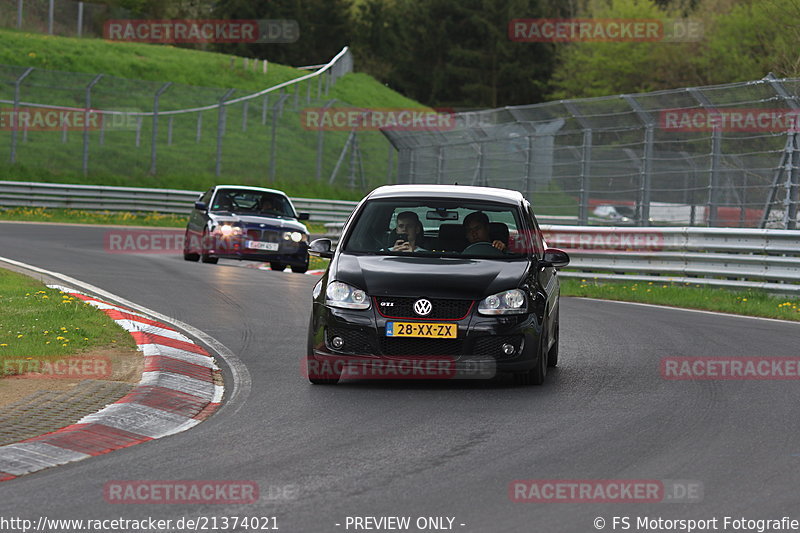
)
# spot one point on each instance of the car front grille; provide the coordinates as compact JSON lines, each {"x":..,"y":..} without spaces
{"x":263,"y":235}
{"x":442,"y":309}
{"x":420,"y":347}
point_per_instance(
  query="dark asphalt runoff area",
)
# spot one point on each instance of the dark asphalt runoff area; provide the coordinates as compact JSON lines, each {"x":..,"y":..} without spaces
{"x":434,"y":449}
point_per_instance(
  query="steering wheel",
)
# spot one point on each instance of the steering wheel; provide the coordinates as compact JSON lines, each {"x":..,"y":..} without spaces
{"x":482,"y":248}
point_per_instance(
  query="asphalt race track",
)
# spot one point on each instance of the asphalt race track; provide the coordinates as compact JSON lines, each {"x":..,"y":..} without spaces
{"x":433,"y":449}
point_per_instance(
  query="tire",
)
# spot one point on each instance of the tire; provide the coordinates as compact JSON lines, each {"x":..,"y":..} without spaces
{"x":187,"y":255}
{"x":300,"y":269}
{"x":277,"y":266}
{"x":333,"y":378}
{"x":204,"y":257}
{"x":552,"y":355}
{"x":536,"y":375}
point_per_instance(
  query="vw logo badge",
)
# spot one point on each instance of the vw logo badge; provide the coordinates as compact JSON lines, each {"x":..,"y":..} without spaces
{"x":423,"y":307}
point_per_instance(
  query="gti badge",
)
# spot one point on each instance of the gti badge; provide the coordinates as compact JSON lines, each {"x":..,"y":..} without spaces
{"x":423,"y":307}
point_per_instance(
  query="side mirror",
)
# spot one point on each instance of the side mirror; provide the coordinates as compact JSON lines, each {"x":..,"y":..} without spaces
{"x":201,"y":206}
{"x":321,"y":248}
{"x":303,"y":216}
{"x":553,"y":257}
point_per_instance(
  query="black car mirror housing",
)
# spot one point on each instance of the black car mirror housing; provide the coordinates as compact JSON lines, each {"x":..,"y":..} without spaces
{"x":555,"y":258}
{"x":200,"y":206}
{"x":321,"y":248}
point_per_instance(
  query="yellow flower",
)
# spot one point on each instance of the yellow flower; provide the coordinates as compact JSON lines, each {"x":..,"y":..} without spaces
{"x":19,"y":336}
{"x":4,"y":344}
{"x":744,"y":299}
{"x":31,"y":54}
{"x":59,"y":338}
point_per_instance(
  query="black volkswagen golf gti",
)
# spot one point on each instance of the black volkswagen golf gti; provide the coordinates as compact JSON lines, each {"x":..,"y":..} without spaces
{"x":436,"y":281}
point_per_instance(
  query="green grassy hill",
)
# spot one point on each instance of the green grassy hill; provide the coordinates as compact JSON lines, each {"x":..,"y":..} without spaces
{"x":133,"y":72}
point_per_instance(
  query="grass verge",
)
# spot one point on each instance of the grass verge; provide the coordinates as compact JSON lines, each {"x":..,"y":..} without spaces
{"x":40,"y":324}
{"x":750,"y":303}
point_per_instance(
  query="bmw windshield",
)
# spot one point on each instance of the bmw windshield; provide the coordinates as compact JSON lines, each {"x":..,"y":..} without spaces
{"x":446,"y":228}
{"x":251,"y":202}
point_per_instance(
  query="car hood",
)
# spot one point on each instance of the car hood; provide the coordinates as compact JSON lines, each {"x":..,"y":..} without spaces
{"x":256,"y":221}
{"x":432,"y":277}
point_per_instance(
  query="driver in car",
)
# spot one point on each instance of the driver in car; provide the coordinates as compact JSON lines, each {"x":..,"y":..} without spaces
{"x":408,"y":224}
{"x":476,"y":228}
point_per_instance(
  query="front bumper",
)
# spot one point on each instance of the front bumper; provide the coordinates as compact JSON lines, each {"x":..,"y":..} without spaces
{"x":288,"y":252}
{"x":476,"y":352}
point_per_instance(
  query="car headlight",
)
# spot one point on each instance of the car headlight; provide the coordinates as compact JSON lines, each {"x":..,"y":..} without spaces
{"x":227,"y":230}
{"x":294,"y":236}
{"x":340,"y":294}
{"x":504,"y":303}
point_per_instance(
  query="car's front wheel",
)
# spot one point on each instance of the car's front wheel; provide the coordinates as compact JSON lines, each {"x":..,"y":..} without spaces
{"x":300,"y":269}
{"x":274,"y":265}
{"x":536,"y":375}
{"x":204,"y":256}
{"x":322,"y":374}
{"x":187,"y":254}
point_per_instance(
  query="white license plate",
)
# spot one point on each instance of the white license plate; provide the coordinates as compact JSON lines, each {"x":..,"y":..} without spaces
{"x":258,"y":245}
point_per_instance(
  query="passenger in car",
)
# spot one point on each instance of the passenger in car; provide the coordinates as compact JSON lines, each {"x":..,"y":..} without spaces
{"x":408,"y":223}
{"x":476,"y":229}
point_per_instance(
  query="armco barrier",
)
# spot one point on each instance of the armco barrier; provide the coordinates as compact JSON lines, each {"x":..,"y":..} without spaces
{"x":718,"y":257}
{"x":95,"y":197}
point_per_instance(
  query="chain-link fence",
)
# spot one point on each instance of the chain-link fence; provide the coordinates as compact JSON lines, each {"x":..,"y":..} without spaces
{"x":132,"y":132}
{"x":58,"y":17}
{"x":718,"y":156}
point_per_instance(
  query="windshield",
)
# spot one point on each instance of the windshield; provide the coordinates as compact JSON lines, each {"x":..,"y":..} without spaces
{"x":447,"y":228}
{"x":249,"y":202}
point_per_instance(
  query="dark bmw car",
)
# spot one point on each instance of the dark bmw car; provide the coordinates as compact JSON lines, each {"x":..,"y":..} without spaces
{"x":252,"y":223}
{"x":434,"y":276}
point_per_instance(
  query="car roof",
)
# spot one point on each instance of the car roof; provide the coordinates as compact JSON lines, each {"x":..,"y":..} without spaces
{"x":249,"y":188}
{"x":465,"y":192}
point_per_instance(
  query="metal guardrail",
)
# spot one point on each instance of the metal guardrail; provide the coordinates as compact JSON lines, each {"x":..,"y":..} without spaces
{"x":721,"y":257}
{"x":725,"y":257}
{"x":717,"y":257}
{"x":96,"y":197}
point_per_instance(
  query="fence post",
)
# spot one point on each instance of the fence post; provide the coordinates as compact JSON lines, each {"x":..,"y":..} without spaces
{"x":15,"y":117}
{"x":221,"y":129}
{"x":86,"y":123}
{"x":320,"y":137}
{"x":50,"y":16}
{"x":276,"y":109}
{"x":586,"y":163}
{"x":154,"y":141}
{"x":199,"y":127}
{"x":792,"y":178}
{"x":19,"y":14}
{"x":264,"y":104}
{"x":80,"y":19}
{"x":646,"y":168}
{"x":244,"y":115}
{"x":389,"y":165}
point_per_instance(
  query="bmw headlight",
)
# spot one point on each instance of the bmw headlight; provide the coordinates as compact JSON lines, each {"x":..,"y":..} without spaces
{"x":228,"y":230}
{"x":295,"y":236}
{"x":504,"y":303}
{"x":340,"y":294}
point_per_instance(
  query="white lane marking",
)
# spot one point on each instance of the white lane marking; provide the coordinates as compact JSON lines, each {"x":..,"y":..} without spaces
{"x":718,"y":313}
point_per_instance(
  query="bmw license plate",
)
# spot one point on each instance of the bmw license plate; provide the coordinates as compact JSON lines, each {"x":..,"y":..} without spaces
{"x":259,"y":245}
{"x":418,"y":329}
